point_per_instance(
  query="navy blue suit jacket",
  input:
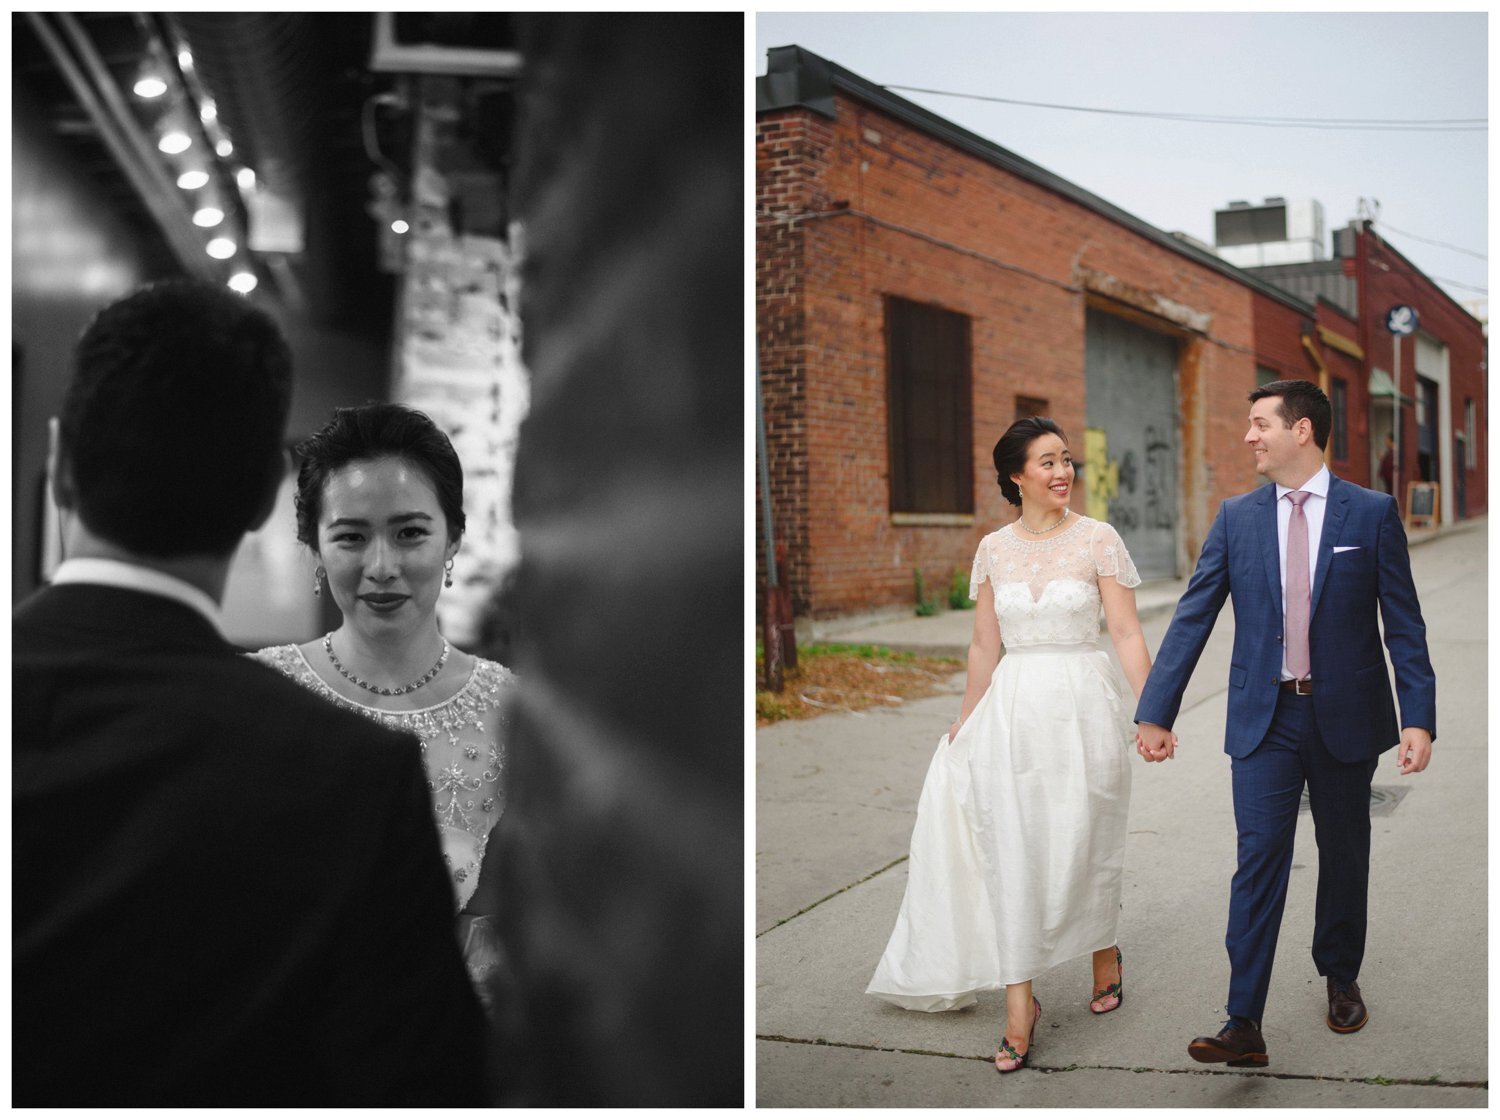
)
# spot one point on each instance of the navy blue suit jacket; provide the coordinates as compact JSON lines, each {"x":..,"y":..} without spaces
{"x":225,"y":890}
{"x":1351,"y":690}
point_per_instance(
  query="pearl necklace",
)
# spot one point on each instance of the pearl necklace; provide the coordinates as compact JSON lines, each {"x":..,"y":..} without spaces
{"x":1038,"y":532}
{"x":416,"y":684}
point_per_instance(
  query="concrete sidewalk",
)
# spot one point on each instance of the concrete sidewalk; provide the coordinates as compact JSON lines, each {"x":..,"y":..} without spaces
{"x":836,"y":800}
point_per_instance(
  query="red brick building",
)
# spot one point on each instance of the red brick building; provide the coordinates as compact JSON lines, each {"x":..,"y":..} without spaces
{"x":919,"y":287}
{"x":1442,"y":368}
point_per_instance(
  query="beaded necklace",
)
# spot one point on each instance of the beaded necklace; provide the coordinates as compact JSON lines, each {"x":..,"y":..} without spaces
{"x":416,"y":684}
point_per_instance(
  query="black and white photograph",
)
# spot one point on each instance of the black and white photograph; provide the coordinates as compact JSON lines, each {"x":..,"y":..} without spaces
{"x":378,"y":537}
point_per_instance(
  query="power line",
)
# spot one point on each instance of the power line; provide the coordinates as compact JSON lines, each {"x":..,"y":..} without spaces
{"x":1456,"y":284}
{"x":1430,"y":241}
{"x":1345,"y":124}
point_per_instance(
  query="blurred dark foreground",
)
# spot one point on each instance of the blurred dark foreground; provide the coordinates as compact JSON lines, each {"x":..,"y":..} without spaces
{"x":617,"y":871}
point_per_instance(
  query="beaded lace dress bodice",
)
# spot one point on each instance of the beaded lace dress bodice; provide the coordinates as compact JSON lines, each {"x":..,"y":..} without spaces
{"x":462,"y":751}
{"x":1047,"y":591}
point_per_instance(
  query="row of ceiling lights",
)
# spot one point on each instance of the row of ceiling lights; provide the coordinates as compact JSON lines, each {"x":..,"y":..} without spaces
{"x":175,"y":140}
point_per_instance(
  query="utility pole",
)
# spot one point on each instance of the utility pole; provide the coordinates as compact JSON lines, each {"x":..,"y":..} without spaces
{"x":1400,"y":320}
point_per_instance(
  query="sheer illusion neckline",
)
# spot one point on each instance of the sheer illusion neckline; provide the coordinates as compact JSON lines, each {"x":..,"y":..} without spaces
{"x":468,"y":683}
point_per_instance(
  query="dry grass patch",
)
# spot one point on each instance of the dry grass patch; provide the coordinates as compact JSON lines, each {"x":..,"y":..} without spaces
{"x":847,"y":678}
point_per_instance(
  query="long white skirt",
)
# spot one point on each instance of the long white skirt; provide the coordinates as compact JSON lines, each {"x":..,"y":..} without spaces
{"x":1019,"y":845}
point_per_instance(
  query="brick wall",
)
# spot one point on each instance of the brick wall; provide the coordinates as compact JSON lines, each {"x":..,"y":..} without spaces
{"x":1390,"y":279}
{"x":621,"y":852}
{"x":1279,"y":333}
{"x":1278,"y":339}
{"x":790,"y":153}
{"x":1356,"y":375}
{"x":896,"y":211}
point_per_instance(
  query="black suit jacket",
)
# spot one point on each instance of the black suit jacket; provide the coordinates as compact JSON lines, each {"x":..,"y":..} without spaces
{"x":225,"y":890}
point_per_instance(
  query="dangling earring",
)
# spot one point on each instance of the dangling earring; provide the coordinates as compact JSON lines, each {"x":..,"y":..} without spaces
{"x":318,"y":573}
{"x":448,"y":573}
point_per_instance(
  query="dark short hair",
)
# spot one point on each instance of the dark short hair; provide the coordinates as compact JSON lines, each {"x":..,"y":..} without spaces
{"x":1011,"y":451}
{"x":171,"y":429}
{"x":1300,"y":399}
{"x":377,"y":431}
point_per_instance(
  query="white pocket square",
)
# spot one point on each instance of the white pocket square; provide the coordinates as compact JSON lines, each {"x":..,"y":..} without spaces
{"x":1345,"y":547}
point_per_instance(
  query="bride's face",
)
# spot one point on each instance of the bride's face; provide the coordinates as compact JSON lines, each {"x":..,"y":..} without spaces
{"x":1047,"y":480}
{"x":383,"y":537}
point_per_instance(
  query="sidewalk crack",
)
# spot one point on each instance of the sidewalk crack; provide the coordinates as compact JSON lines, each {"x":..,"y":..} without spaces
{"x":835,"y":894}
{"x":1432,"y":1082}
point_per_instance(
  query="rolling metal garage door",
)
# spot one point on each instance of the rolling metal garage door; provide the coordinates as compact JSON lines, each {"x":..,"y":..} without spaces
{"x":1130,"y":447}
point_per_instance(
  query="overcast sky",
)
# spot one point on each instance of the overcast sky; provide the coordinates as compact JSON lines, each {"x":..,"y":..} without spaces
{"x":1174,"y":175}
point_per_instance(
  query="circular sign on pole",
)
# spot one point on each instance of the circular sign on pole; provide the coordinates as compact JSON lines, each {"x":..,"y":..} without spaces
{"x":1401,"y":319}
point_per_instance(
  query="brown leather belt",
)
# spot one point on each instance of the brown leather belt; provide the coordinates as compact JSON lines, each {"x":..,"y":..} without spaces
{"x":1301,"y":688}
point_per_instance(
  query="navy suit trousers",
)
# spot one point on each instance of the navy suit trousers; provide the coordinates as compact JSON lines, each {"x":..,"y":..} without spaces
{"x":1267,"y":792}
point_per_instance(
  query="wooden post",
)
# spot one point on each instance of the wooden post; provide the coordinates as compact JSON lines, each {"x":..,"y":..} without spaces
{"x":770,"y":640}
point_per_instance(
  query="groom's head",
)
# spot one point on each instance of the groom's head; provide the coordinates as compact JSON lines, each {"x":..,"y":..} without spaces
{"x":169,"y":442}
{"x":1289,"y":426}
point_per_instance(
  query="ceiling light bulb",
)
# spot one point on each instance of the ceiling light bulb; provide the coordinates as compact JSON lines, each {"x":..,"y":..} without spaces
{"x":208,"y":217}
{"x":175,"y":142}
{"x":398,"y":226}
{"x":243,"y":282}
{"x":192,"y":180}
{"x":224,"y":148}
{"x":150,"y":86}
{"x":185,"y":59}
{"x":245,"y":178}
{"x":221,"y":248}
{"x":208,"y":112}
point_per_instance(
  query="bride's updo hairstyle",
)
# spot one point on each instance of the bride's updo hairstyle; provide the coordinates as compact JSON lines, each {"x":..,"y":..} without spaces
{"x":377,"y":431}
{"x":1010,"y":452}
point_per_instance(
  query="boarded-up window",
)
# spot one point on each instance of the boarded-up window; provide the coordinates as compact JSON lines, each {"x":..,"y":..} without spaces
{"x":928,"y":382}
{"x":1340,"y":402}
{"x":1031,"y":406}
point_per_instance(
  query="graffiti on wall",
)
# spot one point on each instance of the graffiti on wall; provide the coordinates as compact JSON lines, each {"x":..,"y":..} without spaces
{"x":1161,"y":499}
{"x":1126,"y":492}
{"x":1101,"y":475}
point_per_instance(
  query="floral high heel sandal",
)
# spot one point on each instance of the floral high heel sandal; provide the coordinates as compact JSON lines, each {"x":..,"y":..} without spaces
{"x":1008,"y":1053}
{"x":1115,"y":991}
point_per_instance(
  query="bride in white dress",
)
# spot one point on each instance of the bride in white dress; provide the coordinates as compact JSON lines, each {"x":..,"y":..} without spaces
{"x":380,"y":504}
{"x":1018,"y":850}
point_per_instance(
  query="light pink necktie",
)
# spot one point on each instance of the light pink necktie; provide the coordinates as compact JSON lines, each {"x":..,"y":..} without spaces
{"x":1298,"y":589}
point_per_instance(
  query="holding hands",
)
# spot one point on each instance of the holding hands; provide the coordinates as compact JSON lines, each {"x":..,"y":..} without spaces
{"x":1155,"y":743}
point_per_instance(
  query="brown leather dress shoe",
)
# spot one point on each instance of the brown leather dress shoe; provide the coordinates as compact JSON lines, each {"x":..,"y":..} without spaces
{"x":1234,"y":1045}
{"x":1346,"y":1008}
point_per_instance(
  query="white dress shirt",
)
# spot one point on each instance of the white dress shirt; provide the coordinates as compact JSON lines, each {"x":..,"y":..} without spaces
{"x":1312,"y":509}
{"x":133,"y":577}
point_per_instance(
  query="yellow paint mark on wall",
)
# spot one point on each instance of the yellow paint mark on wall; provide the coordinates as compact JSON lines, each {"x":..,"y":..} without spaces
{"x":1101,"y":474}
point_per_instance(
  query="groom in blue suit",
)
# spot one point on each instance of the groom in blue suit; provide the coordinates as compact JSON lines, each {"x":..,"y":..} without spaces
{"x":1307,"y":561}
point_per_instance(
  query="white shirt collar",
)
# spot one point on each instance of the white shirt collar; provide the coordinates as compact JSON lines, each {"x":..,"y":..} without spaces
{"x":1317,"y":484}
{"x":134,"y":577}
